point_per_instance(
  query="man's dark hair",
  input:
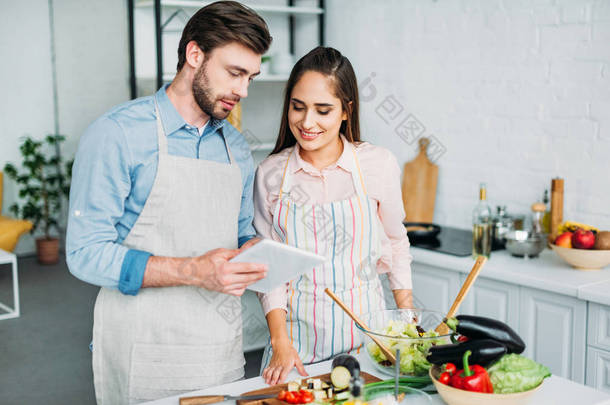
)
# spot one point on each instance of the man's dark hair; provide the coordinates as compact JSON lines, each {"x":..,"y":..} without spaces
{"x":221,"y":23}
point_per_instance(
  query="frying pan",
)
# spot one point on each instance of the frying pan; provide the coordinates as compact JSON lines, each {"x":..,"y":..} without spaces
{"x":422,"y":232}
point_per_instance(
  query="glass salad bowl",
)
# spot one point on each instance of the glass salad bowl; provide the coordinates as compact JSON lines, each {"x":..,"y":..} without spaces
{"x":384,"y":395}
{"x":411,"y":331}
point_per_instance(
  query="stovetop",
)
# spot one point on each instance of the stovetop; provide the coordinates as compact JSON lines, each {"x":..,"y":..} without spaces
{"x":453,"y":241}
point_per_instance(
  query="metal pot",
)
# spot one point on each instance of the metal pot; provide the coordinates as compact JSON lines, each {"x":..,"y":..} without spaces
{"x":524,"y":243}
{"x":502,"y":223}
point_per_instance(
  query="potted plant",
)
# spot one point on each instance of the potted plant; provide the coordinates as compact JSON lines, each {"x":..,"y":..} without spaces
{"x":43,"y":184}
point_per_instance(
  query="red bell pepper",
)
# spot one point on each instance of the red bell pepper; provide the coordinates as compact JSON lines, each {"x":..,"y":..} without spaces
{"x":472,"y":378}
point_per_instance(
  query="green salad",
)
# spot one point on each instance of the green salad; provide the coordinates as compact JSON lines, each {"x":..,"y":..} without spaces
{"x":412,"y":352}
{"x":515,"y":373}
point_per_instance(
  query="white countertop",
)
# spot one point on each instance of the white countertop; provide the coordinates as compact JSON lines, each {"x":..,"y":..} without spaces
{"x":554,"y":391}
{"x":547,"y":272}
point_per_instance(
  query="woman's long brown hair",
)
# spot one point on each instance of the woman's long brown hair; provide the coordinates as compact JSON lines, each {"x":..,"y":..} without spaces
{"x":331,"y":63}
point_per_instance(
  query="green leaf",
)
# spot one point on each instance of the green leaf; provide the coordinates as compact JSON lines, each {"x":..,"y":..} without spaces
{"x":44,"y":182}
{"x":14,"y":209}
{"x":23,"y":179}
{"x":55,"y":139}
{"x":10,"y":170}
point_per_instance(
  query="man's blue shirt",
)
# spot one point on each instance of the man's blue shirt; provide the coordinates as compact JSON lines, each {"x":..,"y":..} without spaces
{"x":113,"y":174}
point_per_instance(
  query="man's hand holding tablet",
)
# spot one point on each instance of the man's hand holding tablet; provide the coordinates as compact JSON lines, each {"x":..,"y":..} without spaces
{"x":284,"y":263}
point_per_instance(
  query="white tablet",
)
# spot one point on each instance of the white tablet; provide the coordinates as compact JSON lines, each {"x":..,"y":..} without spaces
{"x":284,"y":263}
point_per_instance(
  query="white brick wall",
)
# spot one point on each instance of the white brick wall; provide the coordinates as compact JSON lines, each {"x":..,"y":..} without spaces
{"x":517,"y":92}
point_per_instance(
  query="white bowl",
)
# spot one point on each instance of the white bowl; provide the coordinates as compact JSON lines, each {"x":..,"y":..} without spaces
{"x":455,"y":396}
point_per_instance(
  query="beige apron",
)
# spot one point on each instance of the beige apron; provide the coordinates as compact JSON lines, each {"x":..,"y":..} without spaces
{"x":167,"y":341}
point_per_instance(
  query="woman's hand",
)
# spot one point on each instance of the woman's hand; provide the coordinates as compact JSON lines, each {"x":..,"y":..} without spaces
{"x":284,"y":359}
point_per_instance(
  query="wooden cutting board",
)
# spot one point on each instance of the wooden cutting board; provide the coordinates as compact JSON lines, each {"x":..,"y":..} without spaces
{"x":275,"y":389}
{"x":419,"y":181}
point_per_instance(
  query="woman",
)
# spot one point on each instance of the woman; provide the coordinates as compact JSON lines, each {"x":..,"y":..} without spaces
{"x":323,"y":190}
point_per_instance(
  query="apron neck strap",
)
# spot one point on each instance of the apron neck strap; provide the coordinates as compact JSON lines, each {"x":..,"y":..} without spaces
{"x":355,"y":171}
{"x":224,"y":138}
{"x":162,"y":139}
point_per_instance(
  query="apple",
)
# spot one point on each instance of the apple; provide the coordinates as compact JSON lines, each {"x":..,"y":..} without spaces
{"x":582,"y":239}
{"x":564,"y":240}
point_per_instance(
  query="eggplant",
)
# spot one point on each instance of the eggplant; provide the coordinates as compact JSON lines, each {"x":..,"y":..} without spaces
{"x":479,"y":327}
{"x":484,"y":352}
{"x":349,"y":362}
{"x":340,"y":377}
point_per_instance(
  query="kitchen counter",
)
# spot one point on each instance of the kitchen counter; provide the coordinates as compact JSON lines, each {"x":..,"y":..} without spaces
{"x":561,"y":313}
{"x":547,"y":272}
{"x":554,"y":391}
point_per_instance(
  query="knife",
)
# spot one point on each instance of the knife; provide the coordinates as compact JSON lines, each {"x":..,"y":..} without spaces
{"x":212,"y":399}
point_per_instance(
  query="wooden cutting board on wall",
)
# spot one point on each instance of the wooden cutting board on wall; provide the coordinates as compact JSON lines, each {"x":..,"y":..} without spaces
{"x":419,"y":181}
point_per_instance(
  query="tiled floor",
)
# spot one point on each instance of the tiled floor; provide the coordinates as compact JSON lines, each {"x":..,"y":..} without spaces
{"x":44,"y":354}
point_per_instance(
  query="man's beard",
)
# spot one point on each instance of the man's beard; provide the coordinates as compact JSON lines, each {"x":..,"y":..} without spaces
{"x":202,"y":92}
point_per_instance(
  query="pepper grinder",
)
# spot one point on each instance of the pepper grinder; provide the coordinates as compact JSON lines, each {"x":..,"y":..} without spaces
{"x":556,"y":207}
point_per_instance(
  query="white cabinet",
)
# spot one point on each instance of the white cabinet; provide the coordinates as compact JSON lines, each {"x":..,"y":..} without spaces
{"x":433,"y":287}
{"x":554,"y":328}
{"x":492,"y":299}
{"x":598,"y":350}
{"x":599,"y":326}
{"x":598,"y":369}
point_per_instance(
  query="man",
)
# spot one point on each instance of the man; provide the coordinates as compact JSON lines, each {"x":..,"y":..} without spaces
{"x":161,"y":199}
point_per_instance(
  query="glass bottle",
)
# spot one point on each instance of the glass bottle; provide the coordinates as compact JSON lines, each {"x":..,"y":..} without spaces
{"x":537,"y":217}
{"x":546,"y":218}
{"x":481,"y":226}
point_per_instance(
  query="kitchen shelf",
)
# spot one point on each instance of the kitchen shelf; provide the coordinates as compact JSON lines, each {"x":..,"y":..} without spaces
{"x":256,"y":7}
{"x":179,"y":6}
{"x":269,"y":78}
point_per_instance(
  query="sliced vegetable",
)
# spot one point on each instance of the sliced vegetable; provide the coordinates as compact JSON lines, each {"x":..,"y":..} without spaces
{"x":347,"y":361}
{"x":479,"y":327}
{"x":471,"y":378}
{"x":291,"y":397}
{"x":340,"y":377}
{"x":296,"y":397}
{"x":515,"y":373}
{"x":484,"y":352}
{"x":306,"y":397}
{"x":342,"y":396}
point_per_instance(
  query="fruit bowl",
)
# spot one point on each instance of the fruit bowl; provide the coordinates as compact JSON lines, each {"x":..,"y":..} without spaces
{"x":583,"y":259}
{"x":455,"y":396}
{"x":397,"y":329}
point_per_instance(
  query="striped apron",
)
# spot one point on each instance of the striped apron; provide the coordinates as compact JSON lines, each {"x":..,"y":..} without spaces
{"x":347,"y":233}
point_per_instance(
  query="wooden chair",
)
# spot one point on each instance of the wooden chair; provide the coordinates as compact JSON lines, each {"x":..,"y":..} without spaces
{"x":10,"y":229}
